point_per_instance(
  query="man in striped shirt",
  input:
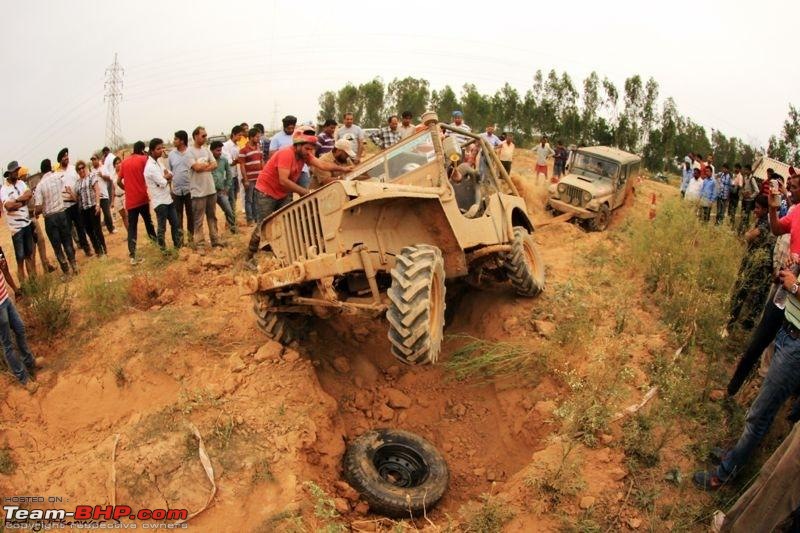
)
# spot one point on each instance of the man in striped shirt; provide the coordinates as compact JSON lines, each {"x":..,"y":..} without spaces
{"x":50,"y":202}
{"x":25,"y":370}
{"x":250,"y":163}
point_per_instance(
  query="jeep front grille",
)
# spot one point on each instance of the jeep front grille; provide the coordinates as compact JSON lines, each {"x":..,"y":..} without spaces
{"x":573,"y":195}
{"x":303,"y":230}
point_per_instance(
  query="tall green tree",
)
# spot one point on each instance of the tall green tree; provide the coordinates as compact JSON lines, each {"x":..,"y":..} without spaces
{"x":477,"y":108}
{"x":408,"y":94}
{"x":444,"y":102}
{"x":347,"y":101}
{"x":327,"y":107}
{"x":371,"y":97}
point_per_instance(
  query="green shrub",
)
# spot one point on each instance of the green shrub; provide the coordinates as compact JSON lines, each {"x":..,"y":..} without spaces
{"x":48,"y":303}
{"x":105,"y":292}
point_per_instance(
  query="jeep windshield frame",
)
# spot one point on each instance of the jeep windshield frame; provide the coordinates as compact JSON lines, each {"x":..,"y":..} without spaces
{"x":389,"y":165}
{"x":595,"y":167}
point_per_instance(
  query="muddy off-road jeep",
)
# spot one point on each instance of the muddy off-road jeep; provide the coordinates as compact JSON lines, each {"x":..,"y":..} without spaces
{"x":386,"y":237}
{"x":598,"y":181}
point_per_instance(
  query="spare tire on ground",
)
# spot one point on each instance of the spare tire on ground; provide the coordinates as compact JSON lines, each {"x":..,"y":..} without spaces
{"x":398,"y":473}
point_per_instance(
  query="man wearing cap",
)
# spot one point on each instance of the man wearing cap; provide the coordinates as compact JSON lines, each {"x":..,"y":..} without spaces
{"x":406,"y":128}
{"x":70,"y":178}
{"x":458,"y":122}
{"x":352,"y":133}
{"x":278,"y":180}
{"x":342,"y":154}
{"x":388,"y":135}
{"x":49,"y":202}
{"x":15,"y":195}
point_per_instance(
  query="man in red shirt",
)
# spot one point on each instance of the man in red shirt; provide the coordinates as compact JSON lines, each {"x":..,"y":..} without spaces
{"x":137,"y":203}
{"x":278,"y":180}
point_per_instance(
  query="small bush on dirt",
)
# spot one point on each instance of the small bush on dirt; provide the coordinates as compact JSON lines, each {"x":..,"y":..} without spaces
{"x":489,"y":517}
{"x":105,"y":293}
{"x":7,"y":464}
{"x":638,"y":442}
{"x":48,"y":304}
{"x":262,"y":471}
{"x":324,"y":508}
{"x":119,"y":375}
{"x":553,"y":483}
{"x":480,"y":358}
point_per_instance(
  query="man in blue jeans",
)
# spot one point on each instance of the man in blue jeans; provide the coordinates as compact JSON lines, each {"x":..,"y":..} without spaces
{"x":783,"y":376}
{"x":24,"y":371}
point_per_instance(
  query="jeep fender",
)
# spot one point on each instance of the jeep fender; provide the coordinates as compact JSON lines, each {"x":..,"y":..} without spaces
{"x":391,"y":222}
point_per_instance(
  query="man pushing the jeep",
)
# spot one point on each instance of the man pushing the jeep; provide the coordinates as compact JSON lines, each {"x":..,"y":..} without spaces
{"x":278,"y":180}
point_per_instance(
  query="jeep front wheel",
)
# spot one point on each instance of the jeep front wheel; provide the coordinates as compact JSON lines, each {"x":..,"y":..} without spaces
{"x":524,"y":266}
{"x":274,"y":325}
{"x":417,"y":304}
{"x":601,"y":220}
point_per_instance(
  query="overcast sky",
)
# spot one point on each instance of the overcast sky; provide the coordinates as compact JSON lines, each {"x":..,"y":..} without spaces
{"x":731,"y":66}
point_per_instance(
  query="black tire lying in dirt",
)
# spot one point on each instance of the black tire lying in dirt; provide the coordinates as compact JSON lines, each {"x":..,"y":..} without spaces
{"x":398,"y":473}
{"x":274,"y":325}
{"x":417,"y":304}
{"x":523,"y":264}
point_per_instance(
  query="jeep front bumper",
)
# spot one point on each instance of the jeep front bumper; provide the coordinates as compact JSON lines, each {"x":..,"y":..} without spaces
{"x":565,"y":207}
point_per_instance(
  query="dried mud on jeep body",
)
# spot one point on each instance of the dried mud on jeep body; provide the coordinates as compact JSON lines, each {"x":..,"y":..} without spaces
{"x":388,"y":244}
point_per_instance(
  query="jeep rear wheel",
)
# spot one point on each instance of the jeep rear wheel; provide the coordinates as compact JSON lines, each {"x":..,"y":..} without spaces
{"x":524,"y":266}
{"x":274,"y":325}
{"x":417,"y":304}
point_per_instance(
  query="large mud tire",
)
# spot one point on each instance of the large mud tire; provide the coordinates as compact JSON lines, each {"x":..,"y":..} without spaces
{"x":523,"y":265}
{"x":398,"y":473}
{"x":601,"y":221}
{"x":274,"y":325}
{"x":417,"y":305}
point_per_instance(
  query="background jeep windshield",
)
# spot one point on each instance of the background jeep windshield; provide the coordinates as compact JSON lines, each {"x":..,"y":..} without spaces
{"x":402,"y":159}
{"x":589,"y":165}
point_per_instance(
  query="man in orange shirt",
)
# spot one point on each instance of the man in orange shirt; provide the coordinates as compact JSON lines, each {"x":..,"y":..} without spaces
{"x":278,"y":180}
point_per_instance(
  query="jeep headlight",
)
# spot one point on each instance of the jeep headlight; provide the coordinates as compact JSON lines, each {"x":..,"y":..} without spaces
{"x":562,"y":188}
{"x":587,"y":197}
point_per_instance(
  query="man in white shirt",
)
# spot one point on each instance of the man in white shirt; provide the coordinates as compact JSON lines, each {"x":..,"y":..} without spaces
{"x":105,"y":191}
{"x":506,"y":151}
{"x":14,"y":195}
{"x":542,"y":151}
{"x":49,"y":202}
{"x":406,"y":128}
{"x":157,"y":179}
{"x":230,"y":151}
{"x":70,"y":178}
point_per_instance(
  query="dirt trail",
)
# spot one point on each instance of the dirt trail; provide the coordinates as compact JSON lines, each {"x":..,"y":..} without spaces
{"x":273,"y":418}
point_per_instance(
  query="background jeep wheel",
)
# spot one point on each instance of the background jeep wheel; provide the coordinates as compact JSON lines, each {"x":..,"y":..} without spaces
{"x":416,"y":308}
{"x":398,"y":473}
{"x":524,"y":266}
{"x":274,"y":325}
{"x":600,"y":222}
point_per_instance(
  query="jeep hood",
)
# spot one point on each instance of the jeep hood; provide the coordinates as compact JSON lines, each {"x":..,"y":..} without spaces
{"x":596,"y":186}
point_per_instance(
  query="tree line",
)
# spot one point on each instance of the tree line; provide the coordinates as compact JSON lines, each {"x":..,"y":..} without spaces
{"x":594,"y":112}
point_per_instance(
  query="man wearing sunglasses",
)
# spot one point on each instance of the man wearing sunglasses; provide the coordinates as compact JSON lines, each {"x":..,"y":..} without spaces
{"x":201,"y":186}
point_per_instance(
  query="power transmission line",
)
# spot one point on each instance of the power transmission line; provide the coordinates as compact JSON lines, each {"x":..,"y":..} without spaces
{"x":113,"y":87}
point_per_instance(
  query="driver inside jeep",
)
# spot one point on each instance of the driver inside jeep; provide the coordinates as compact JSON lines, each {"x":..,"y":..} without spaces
{"x":466,"y":182}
